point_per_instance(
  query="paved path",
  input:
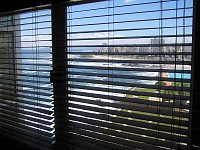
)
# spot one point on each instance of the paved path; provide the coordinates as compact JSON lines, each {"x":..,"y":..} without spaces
{"x":166,"y":75}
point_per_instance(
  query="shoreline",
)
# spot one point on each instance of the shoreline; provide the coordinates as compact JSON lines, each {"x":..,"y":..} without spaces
{"x":163,"y":74}
{"x":164,"y":66}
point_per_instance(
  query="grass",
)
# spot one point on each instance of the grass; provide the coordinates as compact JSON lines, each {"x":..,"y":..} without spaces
{"x":129,"y":96}
{"x":147,"y":98}
{"x":155,"y":115}
{"x":142,"y":97}
{"x":145,"y":90}
{"x":141,"y":90}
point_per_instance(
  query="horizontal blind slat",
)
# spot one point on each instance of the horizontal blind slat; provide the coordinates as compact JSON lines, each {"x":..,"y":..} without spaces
{"x":128,"y":69}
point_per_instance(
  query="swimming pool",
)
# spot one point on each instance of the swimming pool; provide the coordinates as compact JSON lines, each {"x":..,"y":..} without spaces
{"x":180,"y":75}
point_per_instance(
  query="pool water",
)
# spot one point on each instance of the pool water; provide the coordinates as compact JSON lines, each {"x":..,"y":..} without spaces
{"x":180,"y":75}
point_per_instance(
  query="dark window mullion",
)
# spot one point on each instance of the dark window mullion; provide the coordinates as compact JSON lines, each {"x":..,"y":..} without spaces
{"x":57,"y":77}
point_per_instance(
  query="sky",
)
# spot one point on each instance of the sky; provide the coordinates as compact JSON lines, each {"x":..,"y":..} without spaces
{"x":124,"y":19}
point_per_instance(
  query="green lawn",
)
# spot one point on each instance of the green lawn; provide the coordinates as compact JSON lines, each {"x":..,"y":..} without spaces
{"x":142,"y":97}
{"x":147,"y":98}
{"x":145,"y":90}
{"x":141,"y":90}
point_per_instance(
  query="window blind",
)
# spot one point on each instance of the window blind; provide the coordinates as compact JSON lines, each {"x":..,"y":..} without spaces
{"x":121,"y":74}
{"x":129,"y":74}
{"x":26,"y":103}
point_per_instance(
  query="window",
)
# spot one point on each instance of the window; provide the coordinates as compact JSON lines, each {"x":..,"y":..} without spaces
{"x":6,"y":21}
{"x":6,"y":59}
{"x":129,"y":74}
{"x":26,"y":106}
{"x":103,"y":74}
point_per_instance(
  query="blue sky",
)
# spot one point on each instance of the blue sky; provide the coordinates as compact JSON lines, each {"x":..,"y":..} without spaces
{"x":130,"y":7}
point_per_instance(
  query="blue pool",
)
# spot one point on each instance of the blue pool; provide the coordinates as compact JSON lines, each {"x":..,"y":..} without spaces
{"x":180,"y":75}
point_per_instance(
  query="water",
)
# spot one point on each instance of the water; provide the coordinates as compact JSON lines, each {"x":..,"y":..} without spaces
{"x":36,"y":76}
{"x":180,"y":75}
{"x":99,"y":81}
{"x":98,"y":84}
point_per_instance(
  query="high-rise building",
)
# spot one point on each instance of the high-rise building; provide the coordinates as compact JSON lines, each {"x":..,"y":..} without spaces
{"x":9,"y":52}
{"x":157,"y":44}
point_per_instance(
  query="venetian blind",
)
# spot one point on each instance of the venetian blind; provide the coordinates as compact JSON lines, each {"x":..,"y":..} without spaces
{"x":129,"y":74}
{"x":26,"y":103}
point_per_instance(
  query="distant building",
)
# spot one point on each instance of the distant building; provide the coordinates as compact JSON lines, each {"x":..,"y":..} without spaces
{"x":143,"y":49}
{"x":10,"y":41}
{"x":156,"y":42}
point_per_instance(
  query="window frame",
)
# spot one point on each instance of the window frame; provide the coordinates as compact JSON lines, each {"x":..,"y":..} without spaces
{"x":59,"y":110}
